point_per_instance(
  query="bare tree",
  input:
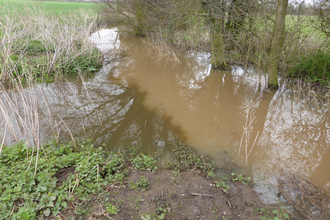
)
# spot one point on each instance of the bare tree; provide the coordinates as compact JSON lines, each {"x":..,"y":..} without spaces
{"x":277,"y":42}
{"x":322,"y":12}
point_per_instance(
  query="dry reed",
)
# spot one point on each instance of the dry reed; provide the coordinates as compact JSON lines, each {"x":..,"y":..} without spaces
{"x":160,"y":50}
{"x":245,"y":139}
{"x":57,"y":34}
{"x":21,"y":100}
{"x":317,"y":97}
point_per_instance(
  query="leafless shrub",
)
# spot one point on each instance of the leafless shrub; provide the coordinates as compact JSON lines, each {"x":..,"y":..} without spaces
{"x":245,"y":28}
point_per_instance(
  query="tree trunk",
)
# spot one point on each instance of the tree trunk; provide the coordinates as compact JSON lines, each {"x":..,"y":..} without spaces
{"x":217,"y":47}
{"x":277,"y":42}
{"x":215,"y":11}
{"x":140,"y":29}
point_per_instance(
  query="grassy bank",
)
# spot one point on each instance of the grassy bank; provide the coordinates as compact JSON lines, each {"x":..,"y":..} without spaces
{"x":38,"y":46}
{"x":78,"y":180}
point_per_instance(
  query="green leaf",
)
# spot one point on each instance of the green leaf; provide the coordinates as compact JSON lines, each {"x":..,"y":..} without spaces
{"x":64,"y":204}
{"x":47,"y":212}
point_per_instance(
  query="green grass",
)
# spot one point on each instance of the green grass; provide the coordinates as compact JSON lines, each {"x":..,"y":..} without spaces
{"x":53,"y":7}
{"x":304,"y":24}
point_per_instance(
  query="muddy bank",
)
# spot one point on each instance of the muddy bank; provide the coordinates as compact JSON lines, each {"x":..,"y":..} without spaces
{"x":172,"y":195}
{"x":185,"y":188}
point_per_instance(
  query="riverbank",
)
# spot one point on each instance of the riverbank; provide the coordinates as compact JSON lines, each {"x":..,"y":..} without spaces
{"x":80,"y":181}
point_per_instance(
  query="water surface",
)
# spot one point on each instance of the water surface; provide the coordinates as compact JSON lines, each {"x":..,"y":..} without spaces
{"x":141,"y":99}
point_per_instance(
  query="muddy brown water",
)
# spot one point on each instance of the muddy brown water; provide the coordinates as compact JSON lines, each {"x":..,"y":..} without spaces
{"x":139,"y":98}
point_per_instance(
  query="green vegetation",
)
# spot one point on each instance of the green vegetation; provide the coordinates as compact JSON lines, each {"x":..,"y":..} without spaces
{"x":112,"y":209}
{"x":56,"y":177}
{"x":185,"y":158}
{"x":274,"y":215}
{"x":144,"y":162}
{"x":66,"y":174}
{"x":25,"y":195}
{"x":313,"y":67}
{"x":275,"y":37}
{"x":234,"y":177}
{"x":38,"y":65}
{"x":39,"y":47}
{"x":222,"y":185}
{"x":52,"y":7}
{"x":142,"y":182}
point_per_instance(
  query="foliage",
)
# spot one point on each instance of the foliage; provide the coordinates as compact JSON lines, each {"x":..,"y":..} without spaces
{"x":222,"y":185}
{"x":185,"y":157}
{"x":85,"y":63}
{"x":176,"y":176}
{"x":44,"y":48}
{"x":144,"y":162}
{"x":211,"y":174}
{"x":25,"y":195}
{"x":34,"y":47}
{"x":161,"y":211}
{"x":279,"y":215}
{"x":112,"y":209}
{"x":241,"y":178}
{"x":237,"y":32}
{"x":313,"y":67}
{"x":146,"y":217}
{"x":142,"y":182}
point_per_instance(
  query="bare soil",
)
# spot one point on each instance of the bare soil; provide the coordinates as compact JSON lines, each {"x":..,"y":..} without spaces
{"x":184,"y":195}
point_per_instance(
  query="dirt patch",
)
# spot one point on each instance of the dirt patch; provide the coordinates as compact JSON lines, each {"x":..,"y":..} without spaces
{"x":175,"y":195}
{"x":62,"y":174}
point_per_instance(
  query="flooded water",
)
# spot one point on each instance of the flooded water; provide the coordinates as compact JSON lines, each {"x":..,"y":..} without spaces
{"x":143,"y":100}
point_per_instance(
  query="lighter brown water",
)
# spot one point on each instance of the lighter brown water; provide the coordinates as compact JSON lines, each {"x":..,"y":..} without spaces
{"x":143,"y":100}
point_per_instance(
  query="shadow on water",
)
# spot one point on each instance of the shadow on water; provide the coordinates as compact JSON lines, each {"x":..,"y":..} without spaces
{"x":137,"y":99}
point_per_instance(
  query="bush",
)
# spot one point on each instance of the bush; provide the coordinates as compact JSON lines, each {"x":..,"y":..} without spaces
{"x":314,"y":67}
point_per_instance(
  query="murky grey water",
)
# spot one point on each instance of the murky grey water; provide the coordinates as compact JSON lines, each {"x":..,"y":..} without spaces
{"x":138,"y":99}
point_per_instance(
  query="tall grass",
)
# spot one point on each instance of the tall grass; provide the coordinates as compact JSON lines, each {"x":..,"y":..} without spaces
{"x":26,"y":36}
{"x":60,"y":40}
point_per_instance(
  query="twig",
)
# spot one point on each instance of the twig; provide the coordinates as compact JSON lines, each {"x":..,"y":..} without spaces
{"x":199,"y":194}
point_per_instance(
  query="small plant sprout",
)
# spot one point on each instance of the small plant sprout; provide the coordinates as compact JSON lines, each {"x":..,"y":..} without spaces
{"x":222,"y":185}
{"x":112,"y":209}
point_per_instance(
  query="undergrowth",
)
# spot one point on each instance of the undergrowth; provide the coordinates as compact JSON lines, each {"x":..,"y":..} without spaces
{"x":314,"y":68}
{"x":24,"y":195}
{"x":38,"y":66}
{"x":37,"y":46}
{"x":185,"y":158}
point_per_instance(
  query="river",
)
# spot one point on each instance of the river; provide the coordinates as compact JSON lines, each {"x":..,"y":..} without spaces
{"x":141,"y":99}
